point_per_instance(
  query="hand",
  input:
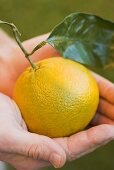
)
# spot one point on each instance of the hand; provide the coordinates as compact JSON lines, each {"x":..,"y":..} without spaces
{"x":13,"y":62}
{"x":22,"y":149}
{"x":25,"y":150}
{"x":85,"y":141}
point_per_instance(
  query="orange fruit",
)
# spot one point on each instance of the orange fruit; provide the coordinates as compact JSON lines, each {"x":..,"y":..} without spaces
{"x":57,"y":99}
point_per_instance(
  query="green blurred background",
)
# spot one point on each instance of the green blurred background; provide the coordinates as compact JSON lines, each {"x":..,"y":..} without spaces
{"x":40,"y":16}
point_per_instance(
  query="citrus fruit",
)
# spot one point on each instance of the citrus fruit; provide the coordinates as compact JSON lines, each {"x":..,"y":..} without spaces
{"x":58,"y":98}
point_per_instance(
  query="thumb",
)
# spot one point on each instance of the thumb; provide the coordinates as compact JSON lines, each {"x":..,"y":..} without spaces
{"x":39,"y":147}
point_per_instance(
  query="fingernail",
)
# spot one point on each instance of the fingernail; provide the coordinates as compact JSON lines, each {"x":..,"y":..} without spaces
{"x":55,"y":160}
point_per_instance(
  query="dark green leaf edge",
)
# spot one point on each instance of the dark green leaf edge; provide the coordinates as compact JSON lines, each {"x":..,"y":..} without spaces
{"x":106,"y":64}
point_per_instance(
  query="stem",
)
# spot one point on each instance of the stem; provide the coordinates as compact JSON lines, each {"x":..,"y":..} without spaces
{"x":38,"y":46}
{"x":17,"y":35}
{"x":27,"y":55}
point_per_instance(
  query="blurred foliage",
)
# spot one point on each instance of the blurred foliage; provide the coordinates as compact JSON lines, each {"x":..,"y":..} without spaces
{"x":40,"y":16}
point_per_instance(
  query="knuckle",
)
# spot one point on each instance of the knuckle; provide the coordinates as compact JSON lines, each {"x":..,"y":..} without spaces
{"x":97,"y":137}
{"x":37,"y":149}
{"x":107,"y":129}
{"x":91,"y":138}
{"x":88,"y":141}
{"x":33,"y":151}
{"x":69,"y":153}
{"x":109,"y":89}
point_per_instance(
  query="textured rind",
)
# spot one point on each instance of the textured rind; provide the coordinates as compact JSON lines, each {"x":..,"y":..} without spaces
{"x":58,"y":99}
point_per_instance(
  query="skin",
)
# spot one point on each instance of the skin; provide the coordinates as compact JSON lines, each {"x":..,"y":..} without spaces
{"x":28,"y":151}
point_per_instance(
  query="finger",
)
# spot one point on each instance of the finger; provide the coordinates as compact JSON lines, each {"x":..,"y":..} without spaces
{"x":101,"y":119}
{"x":106,"y":88}
{"x":106,"y":108}
{"x":86,"y":141}
{"x":36,"y":147}
{"x":22,"y":162}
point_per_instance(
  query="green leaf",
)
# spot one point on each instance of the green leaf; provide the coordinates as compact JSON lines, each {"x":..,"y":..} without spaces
{"x":85,"y":38}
